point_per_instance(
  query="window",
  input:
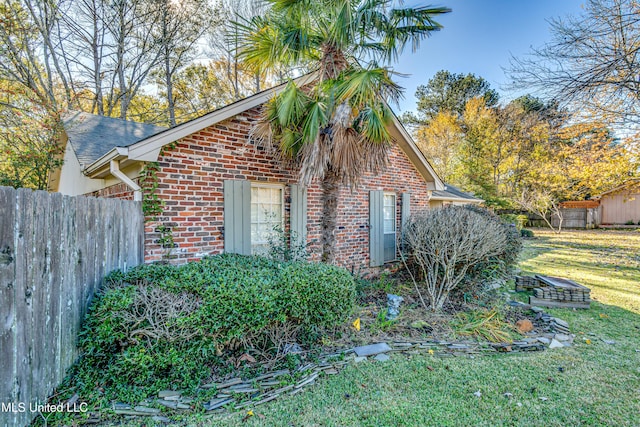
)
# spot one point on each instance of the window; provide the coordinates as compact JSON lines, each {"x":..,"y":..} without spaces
{"x":266,"y":214}
{"x":389,"y":226}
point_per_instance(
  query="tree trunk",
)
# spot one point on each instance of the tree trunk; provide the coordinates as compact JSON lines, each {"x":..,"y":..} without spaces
{"x":330,"y":190}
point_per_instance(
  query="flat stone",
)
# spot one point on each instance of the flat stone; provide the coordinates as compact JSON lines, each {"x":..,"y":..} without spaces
{"x":229,"y":383}
{"x":183,"y":406}
{"x":555,"y":344}
{"x":560,"y":322}
{"x":160,"y":419}
{"x":610,"y":342}
{"x":117,"y":406}
{"x":167,"y":393}
{"x":131,"y":412}
{"x":146,"y":410}
{"x":458,"y":346}
{"x":217,"y":403}
{"x":382,"y":357}
{"x":562,"y":337}
{"x":359,"y":359}
{"x":544,"y":340}
{"x":370,"y":350}
{"x":537,"y":309}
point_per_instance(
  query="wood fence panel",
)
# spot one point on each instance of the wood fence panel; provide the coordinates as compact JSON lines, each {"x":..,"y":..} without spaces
{"x":7,"y":298}
{"x":54,"y":252}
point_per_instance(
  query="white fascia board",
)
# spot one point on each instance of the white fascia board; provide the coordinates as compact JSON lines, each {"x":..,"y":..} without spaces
{"x":104,"y":162}
{"x":417,"y":158}
{"x":455,"y":199}
{"x":148,"y":149}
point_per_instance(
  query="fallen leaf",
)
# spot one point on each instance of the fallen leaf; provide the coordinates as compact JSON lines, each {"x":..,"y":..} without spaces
{"x":508,"y":395}
{"x":356,"y":324}
{"x":477,"y":393}
{"x":544,"y":399}
{"x":430,"y":368}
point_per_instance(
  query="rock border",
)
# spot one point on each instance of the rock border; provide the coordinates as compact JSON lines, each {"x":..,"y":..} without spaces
{"x":235,"y":394}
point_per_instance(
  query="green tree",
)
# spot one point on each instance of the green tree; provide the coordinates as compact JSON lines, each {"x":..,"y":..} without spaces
{"x":335,"y":127}
{"x":440,"y":142}
{"x":449,"y":92}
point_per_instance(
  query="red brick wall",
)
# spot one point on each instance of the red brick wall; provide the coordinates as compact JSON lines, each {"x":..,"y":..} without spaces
{"x":116,"y":191}
{"x":190,"y":183}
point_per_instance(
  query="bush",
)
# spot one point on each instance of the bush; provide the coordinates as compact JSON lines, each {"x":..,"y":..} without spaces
{"x":519,"y":221}
{"x":504,"y":262}
{"x":526,"y":233}
{"x":160,"y":326}
{"x":444,"y":245}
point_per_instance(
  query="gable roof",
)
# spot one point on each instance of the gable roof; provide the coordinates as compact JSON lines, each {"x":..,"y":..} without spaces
{"x":451,"y":193}
{"x":148,"y":149}
{"x":92,"y":136}
{"x":626,"y":184}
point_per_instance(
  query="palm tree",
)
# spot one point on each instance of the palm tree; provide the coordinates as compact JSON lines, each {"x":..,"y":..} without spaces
{"x":334,"y":128}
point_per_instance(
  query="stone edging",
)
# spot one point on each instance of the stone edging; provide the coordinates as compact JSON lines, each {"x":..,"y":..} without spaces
{"x":236,"y":393}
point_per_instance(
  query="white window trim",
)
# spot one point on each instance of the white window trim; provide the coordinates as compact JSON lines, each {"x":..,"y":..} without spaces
{"x":281,"y":187}
{"x":395,"y":210}
{"x":395,"y":224}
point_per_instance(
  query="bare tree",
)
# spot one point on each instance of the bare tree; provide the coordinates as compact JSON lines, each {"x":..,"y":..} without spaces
{"x":445,"y":243}
{"x":224,"y":43}
{"x":543,"y":204}
{"x":181,"y":26}
{"x":591,"y":62}
{"x":29,"y":50}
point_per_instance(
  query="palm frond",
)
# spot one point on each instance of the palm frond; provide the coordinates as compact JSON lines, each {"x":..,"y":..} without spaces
{"x":347,"y":155}
{"x":315,"y":119}
{"x":291,"y":105}
{"x":408,"y":25}
{"x":372,"y":123}
{"x":315,"y":159}
{"x":365,"y":87}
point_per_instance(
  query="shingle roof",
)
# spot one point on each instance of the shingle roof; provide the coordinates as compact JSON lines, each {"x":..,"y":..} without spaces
{"x":451,"y":192}
{"x":93,"y":136}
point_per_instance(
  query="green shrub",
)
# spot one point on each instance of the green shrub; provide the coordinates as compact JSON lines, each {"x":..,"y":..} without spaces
{"x":526,"y":233}
{"x":162,"y":326}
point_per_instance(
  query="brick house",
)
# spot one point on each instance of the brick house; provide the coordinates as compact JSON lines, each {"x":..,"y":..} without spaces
{"x":220,"y":191}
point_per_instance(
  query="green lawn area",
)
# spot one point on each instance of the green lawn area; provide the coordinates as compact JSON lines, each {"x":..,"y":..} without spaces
{"x":587,"y":384}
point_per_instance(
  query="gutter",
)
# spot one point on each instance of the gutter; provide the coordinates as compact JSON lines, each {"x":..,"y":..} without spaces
{"x":115,"y":171}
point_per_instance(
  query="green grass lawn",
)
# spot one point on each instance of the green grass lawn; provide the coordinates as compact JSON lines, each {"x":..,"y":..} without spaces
{"x":587,"y":384}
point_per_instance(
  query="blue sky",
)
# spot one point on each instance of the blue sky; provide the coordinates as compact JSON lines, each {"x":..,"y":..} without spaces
{"x":479,"y":37}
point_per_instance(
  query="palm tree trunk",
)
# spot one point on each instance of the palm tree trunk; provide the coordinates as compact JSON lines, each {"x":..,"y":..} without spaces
{"x":330,"y":191}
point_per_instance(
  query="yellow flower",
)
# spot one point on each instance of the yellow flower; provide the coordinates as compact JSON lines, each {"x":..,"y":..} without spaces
{"x":588,"y":341}
{"x":356,"y":324}
{"x":250,"y":414}
{"x":431,"y":352}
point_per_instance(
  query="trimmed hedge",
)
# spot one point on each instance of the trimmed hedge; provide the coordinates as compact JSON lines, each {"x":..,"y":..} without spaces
{"x":158,"y":326}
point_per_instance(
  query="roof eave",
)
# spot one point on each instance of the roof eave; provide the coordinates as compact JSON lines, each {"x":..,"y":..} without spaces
{"x":455,"y":199}
{"x":418,"y":159}
{"x":101,"y":167}
{"x":149,"y":148}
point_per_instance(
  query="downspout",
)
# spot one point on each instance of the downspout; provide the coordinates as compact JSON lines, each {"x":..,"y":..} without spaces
{"x":115,"y":171}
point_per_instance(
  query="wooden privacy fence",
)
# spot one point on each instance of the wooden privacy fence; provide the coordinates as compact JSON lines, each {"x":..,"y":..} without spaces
{"x":54,"y":252}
